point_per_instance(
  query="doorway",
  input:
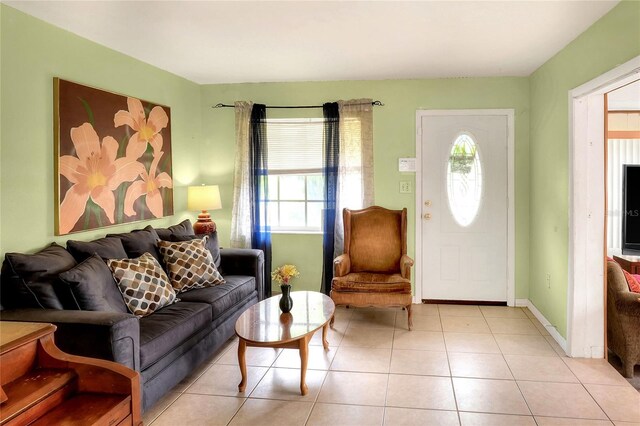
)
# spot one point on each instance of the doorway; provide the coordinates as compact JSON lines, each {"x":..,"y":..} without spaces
{"x":586,"y":304}
{"x":464,"y":206}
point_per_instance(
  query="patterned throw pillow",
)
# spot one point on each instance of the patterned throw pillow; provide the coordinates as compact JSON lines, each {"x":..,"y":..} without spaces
{"x":143,"y":284}
{"x":632,"y":282}
{"x":190,"y":264}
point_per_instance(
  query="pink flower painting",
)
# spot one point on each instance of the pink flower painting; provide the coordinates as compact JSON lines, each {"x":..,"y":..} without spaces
{"x":113,"y":157}
{"x":147,"y":130}
{"x":95,"y":173}
{"x":150,"y":186}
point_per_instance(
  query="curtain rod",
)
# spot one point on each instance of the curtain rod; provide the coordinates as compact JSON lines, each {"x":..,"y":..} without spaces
{"x":221,"y":105}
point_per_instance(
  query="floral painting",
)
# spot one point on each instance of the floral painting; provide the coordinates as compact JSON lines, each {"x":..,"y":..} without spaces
{"x":113,"y":158}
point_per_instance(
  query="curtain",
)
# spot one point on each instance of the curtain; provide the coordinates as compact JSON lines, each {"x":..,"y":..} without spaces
{"x":240,"y":216}
{"x":355,"y":168}
{"x":260,"y":232}
{"x":331,"y":152}
{"x":619,"y":152}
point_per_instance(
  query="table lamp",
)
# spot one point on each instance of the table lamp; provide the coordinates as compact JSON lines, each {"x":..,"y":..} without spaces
{"x":203,"y":198}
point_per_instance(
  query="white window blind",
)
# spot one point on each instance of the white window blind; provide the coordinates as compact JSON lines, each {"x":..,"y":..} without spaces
{"x":296,"y":185}
{"x":294,"y":144}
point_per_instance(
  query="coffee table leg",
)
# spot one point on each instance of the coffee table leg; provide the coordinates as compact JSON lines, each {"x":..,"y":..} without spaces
{"x":325,"y":343}
{"x":242,"y":349}
{"x":304,"y":357}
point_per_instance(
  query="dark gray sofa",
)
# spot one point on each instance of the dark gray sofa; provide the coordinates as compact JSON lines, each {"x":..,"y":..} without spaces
{"x":166,"y":345}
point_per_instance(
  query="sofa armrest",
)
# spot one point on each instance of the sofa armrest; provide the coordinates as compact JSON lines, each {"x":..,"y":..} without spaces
{"x":114,"y":336}
{"x":628,"y":304}
{"x":244,"y":262}
{"x":341,"y":265}
{"x":405,"y":266}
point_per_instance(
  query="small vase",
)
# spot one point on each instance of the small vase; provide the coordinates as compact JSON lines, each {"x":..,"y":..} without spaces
{"x":286,"y":303}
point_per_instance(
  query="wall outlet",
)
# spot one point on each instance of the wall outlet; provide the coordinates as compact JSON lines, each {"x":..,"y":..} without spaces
{"x":548,"y":280}
{"x":405,"y":187}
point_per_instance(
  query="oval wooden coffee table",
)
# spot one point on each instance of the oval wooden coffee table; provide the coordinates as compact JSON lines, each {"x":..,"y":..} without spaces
{"x":264,"y":325}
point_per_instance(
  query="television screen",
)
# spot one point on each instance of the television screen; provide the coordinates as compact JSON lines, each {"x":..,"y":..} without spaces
{"x":631,"y":208}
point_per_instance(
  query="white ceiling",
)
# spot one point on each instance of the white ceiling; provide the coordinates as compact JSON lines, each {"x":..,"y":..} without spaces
{"x":258,"y":41}
{"x":625,"y":98}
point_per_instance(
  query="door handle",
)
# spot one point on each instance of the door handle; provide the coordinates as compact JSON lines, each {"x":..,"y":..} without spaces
{"x":427,"y":216}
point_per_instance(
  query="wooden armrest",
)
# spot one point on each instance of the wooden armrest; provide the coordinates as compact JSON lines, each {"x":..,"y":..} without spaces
{"x":95,"y":375}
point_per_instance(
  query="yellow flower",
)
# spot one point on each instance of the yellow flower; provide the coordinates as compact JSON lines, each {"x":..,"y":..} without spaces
{"x":284,"y":273}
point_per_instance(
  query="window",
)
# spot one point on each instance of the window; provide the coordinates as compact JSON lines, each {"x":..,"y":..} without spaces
{"x":295,"y":196}
{"x":464,"y":180}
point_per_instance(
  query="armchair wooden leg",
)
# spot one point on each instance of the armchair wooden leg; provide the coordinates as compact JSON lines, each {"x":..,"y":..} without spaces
{"x":409,"y":317}
{"x":627,"y":368}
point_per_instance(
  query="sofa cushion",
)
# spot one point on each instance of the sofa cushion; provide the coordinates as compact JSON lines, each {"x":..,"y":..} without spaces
{"x":190,"y":264}
{"x":29,"y":280}
{"x":211,"y":244}
{"x":182,"y":228}
{"x":106,"y":248}
{"x":169,"y":327}
{"x":365,"y":282}
{"x":140,"y":241}
{"x":143,"y":284}
{"x":223,"y":296}
{"x":92,"y":287}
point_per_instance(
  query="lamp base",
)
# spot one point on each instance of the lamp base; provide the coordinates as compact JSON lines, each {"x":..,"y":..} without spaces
{"x":204,"y":225}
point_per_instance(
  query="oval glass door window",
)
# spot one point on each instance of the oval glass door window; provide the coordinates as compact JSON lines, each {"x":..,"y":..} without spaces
{"x":464,"y":180}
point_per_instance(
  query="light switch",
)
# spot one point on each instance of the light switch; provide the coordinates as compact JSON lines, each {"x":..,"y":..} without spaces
{"x":406,"y":165}
{"x":405,"y":187}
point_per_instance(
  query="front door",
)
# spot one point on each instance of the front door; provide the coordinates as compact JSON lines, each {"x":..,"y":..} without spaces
{"x":464,"y":221}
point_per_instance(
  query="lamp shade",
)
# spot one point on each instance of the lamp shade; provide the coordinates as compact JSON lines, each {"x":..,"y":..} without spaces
{"x":203,"y":197}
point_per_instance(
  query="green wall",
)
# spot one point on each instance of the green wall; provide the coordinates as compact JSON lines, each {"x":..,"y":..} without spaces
{"x":32,"y":53}
{"x":611,"y":41}
{"x":394,"y":137}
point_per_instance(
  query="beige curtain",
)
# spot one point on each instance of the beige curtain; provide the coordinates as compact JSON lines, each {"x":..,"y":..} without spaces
{"x":241,"y":213}
{"x":355,"y":169}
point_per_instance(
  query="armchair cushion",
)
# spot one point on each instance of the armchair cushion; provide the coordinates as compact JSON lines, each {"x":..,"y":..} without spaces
{"x":375,"y":240}
{"x":366,"y":282}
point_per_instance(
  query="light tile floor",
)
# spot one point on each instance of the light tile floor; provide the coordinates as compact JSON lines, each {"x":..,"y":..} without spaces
{"x":462,"y":365}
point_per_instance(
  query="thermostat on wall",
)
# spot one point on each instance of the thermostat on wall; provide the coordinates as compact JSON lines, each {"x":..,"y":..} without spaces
{"x":406,"y":164}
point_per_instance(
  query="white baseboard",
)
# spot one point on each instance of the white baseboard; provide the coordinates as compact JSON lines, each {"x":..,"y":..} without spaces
{"x":545,"y":322}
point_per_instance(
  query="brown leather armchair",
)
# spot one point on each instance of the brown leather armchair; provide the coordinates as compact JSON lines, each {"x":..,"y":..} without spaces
{"x":623,"y":319}
{"x":374,"y":269}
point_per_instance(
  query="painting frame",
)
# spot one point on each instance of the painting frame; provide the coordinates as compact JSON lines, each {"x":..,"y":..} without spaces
{"x":112,"y":158}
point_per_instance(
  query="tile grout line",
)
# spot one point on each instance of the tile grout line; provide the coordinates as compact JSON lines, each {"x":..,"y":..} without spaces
{"x":446,"y":351}
{"x":598,"y":404}
{"x":515,"y":380}
{"x":315,"y":401}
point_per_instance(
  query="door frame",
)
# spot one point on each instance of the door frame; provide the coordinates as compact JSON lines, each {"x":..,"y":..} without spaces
{"x":509,"y":113}
{"x":587,"y":220}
